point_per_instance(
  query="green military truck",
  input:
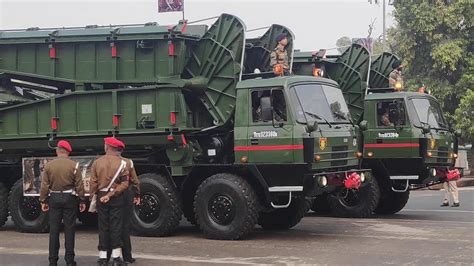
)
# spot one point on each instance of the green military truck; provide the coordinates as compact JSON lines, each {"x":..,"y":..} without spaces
{"x":211,"y":139}
{"x":411,"y":147}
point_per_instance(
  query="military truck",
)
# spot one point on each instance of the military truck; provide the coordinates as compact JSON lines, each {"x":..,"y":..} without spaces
{"x":211,"y":139}
{"x":406,"y":141}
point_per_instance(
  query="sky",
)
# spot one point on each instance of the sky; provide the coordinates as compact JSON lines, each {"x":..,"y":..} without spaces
{"x":317,"y":24}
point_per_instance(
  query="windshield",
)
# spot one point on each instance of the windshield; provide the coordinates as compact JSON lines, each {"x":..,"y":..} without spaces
{"x":321,"y":102}
{"x":429,"y":112}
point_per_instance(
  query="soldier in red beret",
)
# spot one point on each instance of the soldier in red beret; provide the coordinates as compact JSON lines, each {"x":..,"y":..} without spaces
{"x":109,"y":179}
{"x":61,"y":182}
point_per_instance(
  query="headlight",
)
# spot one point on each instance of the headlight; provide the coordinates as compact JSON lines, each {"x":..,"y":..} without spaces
{"x":323,"y":181}
{"x":433,"y":172}
{"x":362,"y":177}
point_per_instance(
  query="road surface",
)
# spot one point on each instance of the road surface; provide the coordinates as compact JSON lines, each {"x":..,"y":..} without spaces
{"x":422,"y":234}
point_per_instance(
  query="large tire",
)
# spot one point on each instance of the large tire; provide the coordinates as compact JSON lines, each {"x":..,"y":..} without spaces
{"x":226,"y":207}
{"x":3,"y":204}
{"x":392,"y":202}
{"x":188,"y":208}
{"x":26,"y":211}
{"x":356,"y":203}
{"x":320,"y":205}
{"x":283,"y":219}
{"x":160,"y":209}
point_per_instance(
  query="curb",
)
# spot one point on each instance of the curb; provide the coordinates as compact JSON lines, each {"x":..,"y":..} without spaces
{"x":466,"y":181}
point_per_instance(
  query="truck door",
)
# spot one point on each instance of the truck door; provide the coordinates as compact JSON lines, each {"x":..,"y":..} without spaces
{"x":388,"y":138}
{"x":270,"y":130}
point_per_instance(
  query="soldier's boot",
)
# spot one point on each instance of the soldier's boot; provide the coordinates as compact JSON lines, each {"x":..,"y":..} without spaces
{"x":118,"y":262}
{"x":102,"y":262}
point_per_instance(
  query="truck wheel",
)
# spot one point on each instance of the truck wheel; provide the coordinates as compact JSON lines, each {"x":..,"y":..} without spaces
{"x":226,"y":207}
{"x":26,"y":211}
{"x":356,"y":203}
{"x":321,"y":205}
{"x":282,"y":219}
{"x":159,"y":212}
{"x":3,"y":204}
{"x":392,"y":202}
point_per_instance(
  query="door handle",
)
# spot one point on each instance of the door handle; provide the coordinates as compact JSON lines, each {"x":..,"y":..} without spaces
{"x":253,"y":141}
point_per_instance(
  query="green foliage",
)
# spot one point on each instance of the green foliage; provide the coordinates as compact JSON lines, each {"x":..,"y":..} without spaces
{"x":342,"y":43}
{"x":434,"y":40}
{"x":464,"y":116}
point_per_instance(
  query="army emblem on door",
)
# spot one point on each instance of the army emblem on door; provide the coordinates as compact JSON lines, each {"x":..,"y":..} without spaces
{"x":323,"y":142}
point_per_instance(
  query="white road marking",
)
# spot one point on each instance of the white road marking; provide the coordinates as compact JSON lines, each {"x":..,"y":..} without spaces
{"x":422,"y":210}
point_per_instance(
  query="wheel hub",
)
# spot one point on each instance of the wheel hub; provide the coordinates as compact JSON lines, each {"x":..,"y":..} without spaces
{"x":221,"y":209}
{"x":30,"y":208}
{"x":149,"y":208}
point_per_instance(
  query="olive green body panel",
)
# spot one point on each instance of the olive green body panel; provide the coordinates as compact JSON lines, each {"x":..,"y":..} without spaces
{"x":91,"y":55}
{"x":141,"y":110}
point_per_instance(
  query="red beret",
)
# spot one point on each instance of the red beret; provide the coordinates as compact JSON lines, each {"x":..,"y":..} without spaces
{"x":111,"y":141}
{"x":65,"y":145}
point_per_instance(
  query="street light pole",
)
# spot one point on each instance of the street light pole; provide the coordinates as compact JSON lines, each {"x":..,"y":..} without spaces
{"x":384,"y":33}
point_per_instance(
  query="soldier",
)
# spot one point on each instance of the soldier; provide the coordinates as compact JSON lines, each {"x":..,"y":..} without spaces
{"x":279,"y":56}
{"x":450,"y":191}
{"x":395,"y":79}
{"x":132,"y":196}
{"x":110,"y":198}
{"x":62,"y":180}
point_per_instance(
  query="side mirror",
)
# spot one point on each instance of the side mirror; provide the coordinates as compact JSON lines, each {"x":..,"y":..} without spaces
{"x":266,"y":106}
{"x":363,"y":125}
{"x":312,"y":127}
{"x":425,"y":128}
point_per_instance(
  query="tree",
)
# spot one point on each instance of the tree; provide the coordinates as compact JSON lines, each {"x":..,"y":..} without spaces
{"x":434,"y":39}
{"x":464,"y":116}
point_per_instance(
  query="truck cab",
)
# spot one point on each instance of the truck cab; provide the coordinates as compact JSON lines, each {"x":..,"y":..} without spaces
{"x":409,"y":134}
{"x":298,"y":127}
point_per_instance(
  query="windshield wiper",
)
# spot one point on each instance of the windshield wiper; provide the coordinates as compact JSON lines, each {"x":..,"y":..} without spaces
{"x":318,"y":117}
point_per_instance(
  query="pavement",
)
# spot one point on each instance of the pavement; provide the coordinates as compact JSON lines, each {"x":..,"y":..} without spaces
{"x":421,"y":234}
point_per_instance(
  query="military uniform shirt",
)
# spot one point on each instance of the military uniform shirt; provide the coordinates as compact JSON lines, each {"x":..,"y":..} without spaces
{"x":61,"y":174}
{"x":134,"y":182}
{"x":103,"y":171}
{"x":279,"y":56}
{"x":394,"y":77}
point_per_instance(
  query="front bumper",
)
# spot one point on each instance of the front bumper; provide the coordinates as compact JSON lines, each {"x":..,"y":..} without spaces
{"x":335,"y":181}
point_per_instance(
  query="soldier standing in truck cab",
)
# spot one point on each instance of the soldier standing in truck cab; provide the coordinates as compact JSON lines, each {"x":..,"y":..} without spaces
{"x":279,"y":57}
{"x":395,"y":79}
{"x":62,"y":181}
{"x":109,"y":179}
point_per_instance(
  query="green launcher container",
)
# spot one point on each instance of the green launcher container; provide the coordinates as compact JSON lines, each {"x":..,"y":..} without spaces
{"x":79,"y":57}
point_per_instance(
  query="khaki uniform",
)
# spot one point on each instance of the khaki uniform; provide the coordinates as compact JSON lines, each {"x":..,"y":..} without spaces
{"x":61,"y":174}
{"x":394,"y":77}
{"x":60,"y":178}
{"x":102,"y":172}
{"x":451,"y":191}
{"x":110,"y":214}
{"x":280,"y":56}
